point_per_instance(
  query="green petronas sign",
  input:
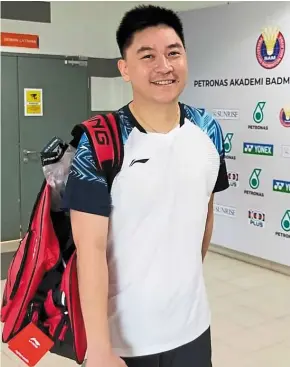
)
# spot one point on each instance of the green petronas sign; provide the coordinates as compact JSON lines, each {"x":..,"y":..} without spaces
{"x":254,"y":180}
{"x":285,"y":222}
{"x":228,"y":142}
{"x":258,"y":114}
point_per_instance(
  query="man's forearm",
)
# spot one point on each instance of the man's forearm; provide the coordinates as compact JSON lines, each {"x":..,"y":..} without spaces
{"x":93,"y":289}
{"x":208,"y":229}
{"x":207,"y":235}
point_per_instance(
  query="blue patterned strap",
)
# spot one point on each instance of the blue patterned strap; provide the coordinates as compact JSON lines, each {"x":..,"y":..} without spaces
{"x":208,"y":124}
{"x":98,"y":157}
{"x":103,"y":132}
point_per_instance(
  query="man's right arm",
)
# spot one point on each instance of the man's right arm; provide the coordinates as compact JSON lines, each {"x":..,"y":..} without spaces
{"x":88,"y":200}
{"x":90,"y":237}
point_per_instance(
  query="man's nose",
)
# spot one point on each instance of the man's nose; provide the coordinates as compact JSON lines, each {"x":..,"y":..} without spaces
{"x":163,"y":65}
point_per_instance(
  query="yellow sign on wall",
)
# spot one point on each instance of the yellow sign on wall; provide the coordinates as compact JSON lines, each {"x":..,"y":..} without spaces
{"x":33,"y":102}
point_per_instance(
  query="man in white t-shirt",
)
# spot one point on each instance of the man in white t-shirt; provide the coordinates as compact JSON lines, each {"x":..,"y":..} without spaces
{"x":141,"y":243}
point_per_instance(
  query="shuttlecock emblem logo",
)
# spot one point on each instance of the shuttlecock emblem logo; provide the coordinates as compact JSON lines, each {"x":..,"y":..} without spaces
{"x":270,"y":36}
{"x":285,"y":116}
{"x":270,"y":48}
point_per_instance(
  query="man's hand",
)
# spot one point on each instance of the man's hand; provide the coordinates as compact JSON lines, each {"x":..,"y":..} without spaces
{"x":90,"y":237}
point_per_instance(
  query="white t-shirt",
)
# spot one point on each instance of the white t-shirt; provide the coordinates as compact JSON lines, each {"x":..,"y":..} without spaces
{"x":158,"y":208}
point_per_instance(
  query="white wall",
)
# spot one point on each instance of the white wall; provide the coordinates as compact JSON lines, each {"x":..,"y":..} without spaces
{"x":222,"y":45}
{"x":83,"y":28}
{"x":88,"y":29}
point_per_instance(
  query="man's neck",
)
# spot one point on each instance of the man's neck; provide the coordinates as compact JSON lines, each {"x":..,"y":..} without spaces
{"x":156,"y":117}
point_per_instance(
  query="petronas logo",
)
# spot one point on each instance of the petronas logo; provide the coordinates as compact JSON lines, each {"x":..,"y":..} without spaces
{"x":228,"y":142}
{"x":285,"y":222}
{"x":254,"y":178}
{"x":258,"y":114}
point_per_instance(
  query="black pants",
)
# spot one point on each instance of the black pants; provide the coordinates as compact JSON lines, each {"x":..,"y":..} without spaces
{"x":194,"y":354}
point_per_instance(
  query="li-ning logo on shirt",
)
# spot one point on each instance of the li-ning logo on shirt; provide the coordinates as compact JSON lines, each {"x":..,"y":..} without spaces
{"x":139,"y":161}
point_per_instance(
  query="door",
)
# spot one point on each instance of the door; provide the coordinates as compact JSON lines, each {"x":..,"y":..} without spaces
{"x":64,"y":92}
{"x":10,"y":197}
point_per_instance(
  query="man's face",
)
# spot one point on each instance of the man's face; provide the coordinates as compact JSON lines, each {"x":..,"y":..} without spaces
{"x":156,"y":65}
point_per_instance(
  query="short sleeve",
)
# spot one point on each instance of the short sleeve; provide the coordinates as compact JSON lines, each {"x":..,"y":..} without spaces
{"x":222,"y":182}
{"x":201,"y":118}
{"x":86,"y":188}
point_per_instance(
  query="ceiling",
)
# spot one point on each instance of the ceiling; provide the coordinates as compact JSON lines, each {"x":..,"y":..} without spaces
{"x":174,"y":5}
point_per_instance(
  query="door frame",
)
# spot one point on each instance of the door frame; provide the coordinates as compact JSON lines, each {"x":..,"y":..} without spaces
{"x":12,"y":245}
{"x":57,"y":57}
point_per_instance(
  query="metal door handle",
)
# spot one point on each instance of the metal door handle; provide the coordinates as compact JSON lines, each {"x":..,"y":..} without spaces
{"x":26,"y":152}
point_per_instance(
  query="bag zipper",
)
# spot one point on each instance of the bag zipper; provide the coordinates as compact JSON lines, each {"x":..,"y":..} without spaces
{"x":21,"y":268}
{"x":39,"y":239}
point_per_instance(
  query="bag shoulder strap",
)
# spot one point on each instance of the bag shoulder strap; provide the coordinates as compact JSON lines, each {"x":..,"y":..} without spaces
{"x":105,"y":137}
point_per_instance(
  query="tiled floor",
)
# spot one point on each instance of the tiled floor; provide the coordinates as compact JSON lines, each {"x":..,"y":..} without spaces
{"x":251,"y":317}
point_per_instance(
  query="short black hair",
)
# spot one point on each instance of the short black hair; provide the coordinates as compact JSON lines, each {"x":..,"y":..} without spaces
{"x":142,"y":17}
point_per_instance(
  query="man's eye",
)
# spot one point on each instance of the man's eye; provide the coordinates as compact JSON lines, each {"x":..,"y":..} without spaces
{"x":174,"y":53}
{"x":147,"y":57}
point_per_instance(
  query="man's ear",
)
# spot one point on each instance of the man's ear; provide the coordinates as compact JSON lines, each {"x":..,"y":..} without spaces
{"x":123,"y":68}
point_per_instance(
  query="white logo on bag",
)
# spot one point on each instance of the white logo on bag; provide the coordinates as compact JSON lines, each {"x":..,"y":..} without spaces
{"x":34,"y":342}
{"x":21,"y":356}
{"x":34,"y":248}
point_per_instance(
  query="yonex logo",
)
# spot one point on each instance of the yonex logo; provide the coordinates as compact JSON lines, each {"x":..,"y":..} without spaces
{"x":139,"y":161}
{"x":248,"y":148}
{"x":281,"y":186}
{"x":258,"y":149}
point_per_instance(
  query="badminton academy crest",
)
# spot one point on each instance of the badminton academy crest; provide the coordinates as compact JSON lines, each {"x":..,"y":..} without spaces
{"x":270,"y":48}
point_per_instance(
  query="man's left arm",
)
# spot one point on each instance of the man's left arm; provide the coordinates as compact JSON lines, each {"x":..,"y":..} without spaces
{"x":208,"y":228}
{"x":222,"y":183}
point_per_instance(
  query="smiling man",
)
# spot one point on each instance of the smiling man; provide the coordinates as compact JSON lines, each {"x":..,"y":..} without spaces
{"x":141,"y":246}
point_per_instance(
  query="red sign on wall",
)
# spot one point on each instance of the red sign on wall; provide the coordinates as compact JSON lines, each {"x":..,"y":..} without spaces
{"x":19,"y":40}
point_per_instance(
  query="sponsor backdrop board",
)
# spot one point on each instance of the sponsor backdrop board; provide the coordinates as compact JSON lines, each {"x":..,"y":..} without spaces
{"x":239,"y":56}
